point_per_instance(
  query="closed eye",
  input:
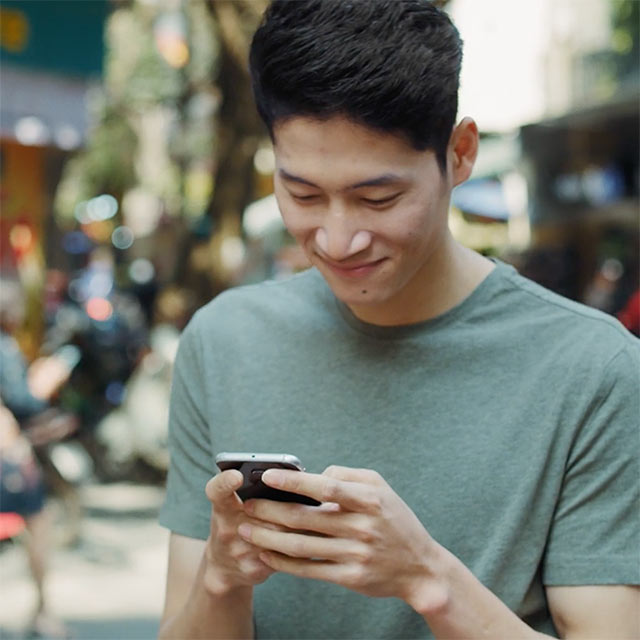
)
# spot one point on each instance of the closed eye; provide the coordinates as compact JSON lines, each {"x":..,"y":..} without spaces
{"x":378,"y":202}
{"x":307,"y":198}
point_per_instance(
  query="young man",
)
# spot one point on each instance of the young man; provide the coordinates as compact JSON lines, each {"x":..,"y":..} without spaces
{"x":479,"y":433}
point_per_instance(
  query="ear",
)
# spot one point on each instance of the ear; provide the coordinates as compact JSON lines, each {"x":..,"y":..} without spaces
{"x":462,"y":150}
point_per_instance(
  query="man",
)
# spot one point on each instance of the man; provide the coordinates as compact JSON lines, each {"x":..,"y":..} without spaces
{"x":480,"y":432}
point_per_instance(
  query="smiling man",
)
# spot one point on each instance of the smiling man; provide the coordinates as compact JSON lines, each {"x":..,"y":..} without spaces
{"x":478,"y":434}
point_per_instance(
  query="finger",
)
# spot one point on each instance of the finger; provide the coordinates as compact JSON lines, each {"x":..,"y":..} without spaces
{"x":299,"y":545}
{"x":366,"y":476}
{"x":353,"y":496}
{"x":347,"y":575}
{"x":298,"y":517}
{"x":267,"y":525}
{"x":221,"y":489}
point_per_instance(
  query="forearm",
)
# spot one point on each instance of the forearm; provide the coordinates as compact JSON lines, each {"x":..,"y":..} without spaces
{"x":210,"y":614}
{"x":457,"y":605}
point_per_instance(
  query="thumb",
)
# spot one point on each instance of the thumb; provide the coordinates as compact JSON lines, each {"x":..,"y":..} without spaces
{"x":221,"y":489}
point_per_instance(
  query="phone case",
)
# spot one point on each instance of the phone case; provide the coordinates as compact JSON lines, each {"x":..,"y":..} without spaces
{"x":252,"y":466}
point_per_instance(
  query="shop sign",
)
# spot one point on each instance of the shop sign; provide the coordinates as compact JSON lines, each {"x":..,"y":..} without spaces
{"x":63,"y":36}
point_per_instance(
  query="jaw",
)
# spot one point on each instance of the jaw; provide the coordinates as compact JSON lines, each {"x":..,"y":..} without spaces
{"x":401,"y":295}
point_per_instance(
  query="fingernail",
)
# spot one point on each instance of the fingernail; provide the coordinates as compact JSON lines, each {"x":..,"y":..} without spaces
{"x":244,"y":530}
{"x":234,"y":481}
{"x":274,"y":477}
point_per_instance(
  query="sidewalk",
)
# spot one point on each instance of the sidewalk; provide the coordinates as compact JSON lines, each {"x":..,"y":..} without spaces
{"x":110,"y":586}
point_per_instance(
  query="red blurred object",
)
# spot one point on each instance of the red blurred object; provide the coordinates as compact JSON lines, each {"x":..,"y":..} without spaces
{"x":11,"y":525}
{"x":630,"y":314}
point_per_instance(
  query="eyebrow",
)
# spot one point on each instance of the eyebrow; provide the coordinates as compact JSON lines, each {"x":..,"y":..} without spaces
{"x":378,"y":181}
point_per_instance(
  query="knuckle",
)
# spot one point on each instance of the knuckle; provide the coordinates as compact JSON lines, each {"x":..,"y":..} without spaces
{"x":298,"y":548}
{"x":372,"y":501}
{"x":354,"y":575}
{"x":365,"y":555}
{"x":296,"y":517}
{"x":376,"y":477}
{"x":225,"y":534}
{"x":364,"y":533}
{"x":329,"y":490}
{"x":238,"y":550}
{"x":294,"y":482}
{"x":332,"y":470}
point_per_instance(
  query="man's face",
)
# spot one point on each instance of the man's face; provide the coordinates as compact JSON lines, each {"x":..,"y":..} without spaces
{"x":368,"y":209}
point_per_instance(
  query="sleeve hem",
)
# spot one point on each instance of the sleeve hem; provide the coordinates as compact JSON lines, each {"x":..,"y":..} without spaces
{"x":593,"y":571}
{"x":187,"y":525}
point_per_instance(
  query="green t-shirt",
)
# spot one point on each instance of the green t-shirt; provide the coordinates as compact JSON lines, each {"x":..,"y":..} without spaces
{"x":509,"y":425}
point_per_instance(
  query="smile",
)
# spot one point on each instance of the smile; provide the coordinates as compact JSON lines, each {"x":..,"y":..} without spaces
{"x":354,"y":271}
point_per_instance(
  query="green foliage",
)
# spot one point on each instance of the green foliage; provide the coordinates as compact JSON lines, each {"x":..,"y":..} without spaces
{"x":625,"y":22}
{"x":109,"y":158}
{"x":137,"y":81}
{"x":105,"y":166}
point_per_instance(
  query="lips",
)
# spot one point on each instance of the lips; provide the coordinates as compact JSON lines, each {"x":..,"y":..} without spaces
{"x":356,"y":270}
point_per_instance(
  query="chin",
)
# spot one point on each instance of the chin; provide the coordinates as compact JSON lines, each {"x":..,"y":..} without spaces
{"x":354,"y":296}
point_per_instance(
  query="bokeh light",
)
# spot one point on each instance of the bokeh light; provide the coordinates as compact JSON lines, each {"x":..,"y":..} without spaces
{"x":122,"y":237}
{"x":21,"y":238}
{"x":76,"y":243}
{"x":99,"y":309}
{"x":142,"y":271}
{"x":115,"y":392}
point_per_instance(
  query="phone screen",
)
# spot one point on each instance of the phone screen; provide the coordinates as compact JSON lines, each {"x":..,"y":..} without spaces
{"x":252,"y":466}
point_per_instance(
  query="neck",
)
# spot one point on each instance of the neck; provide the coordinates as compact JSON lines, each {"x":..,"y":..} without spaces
{"x":449,"y":276}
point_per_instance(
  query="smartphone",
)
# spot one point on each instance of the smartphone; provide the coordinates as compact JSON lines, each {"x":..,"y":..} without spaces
{"x":253,"y":465}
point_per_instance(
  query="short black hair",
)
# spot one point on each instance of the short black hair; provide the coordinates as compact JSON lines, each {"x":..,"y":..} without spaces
{"x":391,"y":65}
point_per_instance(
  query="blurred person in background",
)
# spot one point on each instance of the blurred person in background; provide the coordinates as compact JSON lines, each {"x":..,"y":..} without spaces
{"x":134,"y":434}
{"x":25,"y":392}
{"x":504,"y":415}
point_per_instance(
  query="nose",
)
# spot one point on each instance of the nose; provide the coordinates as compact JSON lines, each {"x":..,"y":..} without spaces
{"x":339,"y":239}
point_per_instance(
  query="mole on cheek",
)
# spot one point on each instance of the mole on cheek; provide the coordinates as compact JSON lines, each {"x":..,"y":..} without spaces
{"x":364,"y":291}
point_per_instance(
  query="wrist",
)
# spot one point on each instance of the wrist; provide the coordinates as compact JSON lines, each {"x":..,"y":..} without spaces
{"x":430,"y":592}
{"x":220,"y":583}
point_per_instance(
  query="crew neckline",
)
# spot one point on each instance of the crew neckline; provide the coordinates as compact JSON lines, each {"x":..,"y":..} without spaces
{"x":484,"y":290}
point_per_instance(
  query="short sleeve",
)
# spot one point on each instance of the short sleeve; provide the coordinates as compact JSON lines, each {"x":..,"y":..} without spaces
{"x":595,"y":534}
{"x":186,"y":510}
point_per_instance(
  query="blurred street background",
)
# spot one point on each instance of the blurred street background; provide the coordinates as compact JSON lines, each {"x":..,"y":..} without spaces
{"x":136,"y":184}
{"x":109,"y":585}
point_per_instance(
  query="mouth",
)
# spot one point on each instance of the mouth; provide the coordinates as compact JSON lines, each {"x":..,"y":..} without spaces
{"x":355,"y":270}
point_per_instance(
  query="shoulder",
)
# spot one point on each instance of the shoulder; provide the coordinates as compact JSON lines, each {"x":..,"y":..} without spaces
{"x":549,"y":314}
{"x":243,"y":319}
{"x":301,"y":295}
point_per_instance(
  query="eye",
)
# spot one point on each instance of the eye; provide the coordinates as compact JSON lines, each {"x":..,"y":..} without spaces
{"x":380,"y":202}
{"x":304,"y":198}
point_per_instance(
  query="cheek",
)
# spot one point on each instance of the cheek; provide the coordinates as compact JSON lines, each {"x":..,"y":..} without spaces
{"x":412,"y":227}
{"x":298,"y":225}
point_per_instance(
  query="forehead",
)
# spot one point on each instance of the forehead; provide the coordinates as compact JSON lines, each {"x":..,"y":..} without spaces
{"x":338,"y":145}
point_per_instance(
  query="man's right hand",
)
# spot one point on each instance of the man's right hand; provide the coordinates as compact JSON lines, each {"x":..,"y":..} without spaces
{"x":231,"y":561}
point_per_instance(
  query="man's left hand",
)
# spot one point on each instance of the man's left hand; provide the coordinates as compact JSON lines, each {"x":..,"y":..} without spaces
{"x":363,"y":536}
